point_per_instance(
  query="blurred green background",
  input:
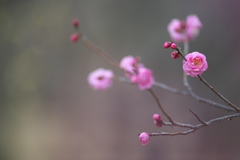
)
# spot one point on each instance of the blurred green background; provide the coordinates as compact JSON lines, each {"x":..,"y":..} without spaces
{"x":48,"y":110}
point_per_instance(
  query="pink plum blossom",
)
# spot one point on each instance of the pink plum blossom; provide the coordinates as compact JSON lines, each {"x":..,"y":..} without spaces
{"x":195,"y":65}
{"x":193,"y":26}
{"x":144,"y":138}
{"x":129,"y":64}
{"x":145,"y":78}
{"x":100,"y":79}
{"x":175,"y":29}
{"x":184,"y":31}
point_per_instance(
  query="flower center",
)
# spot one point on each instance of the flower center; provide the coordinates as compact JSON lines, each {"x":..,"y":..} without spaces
{"x":181,"y":27}
{"x":197,"y":61}
{"x":100,"y":78}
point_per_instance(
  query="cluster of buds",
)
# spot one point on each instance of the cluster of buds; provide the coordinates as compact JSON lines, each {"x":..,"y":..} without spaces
{"x":174,"y":54}
{"x":145,"y":137}
{"x":75,"y":36}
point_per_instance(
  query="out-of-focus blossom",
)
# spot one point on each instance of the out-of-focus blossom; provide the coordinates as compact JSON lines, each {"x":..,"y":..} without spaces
{"x":100,"y":79}
{"x":195,"y":65}
{"x":145,"y":78}
{"x":75,"y":23}
{"x":193,"y":26}
{"x":144,"y":138}
{"x":74,"y":37}
{"x":184,"y":31}
{"x":176,"y":30}
{"x":129,"y":64}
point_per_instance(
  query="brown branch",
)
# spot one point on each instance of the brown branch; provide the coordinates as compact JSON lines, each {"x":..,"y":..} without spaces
{"x":196,"y":127}
{"x":160,"y":106}
{"x":218,"y":94}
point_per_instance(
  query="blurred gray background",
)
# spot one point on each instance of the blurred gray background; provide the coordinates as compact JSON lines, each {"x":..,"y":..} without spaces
{"x":49,"y":112}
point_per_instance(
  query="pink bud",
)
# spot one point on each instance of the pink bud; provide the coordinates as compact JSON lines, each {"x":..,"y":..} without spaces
{"x":74,"y":37}
{"x":174,"y":46}
{"x":75,"y":23}
{"x":157,"y":120}
{"x":144,"y":138}
{"x":167,"y":44}
{"x":175,"y":55}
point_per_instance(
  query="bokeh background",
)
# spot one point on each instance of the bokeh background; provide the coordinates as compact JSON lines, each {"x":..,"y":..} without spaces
{"x":49,"y":112}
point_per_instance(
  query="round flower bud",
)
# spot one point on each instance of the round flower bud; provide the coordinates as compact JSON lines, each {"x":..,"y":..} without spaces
{"x":175,"y":55}
{"x":144,"y":138}
{"x":167,"y":44}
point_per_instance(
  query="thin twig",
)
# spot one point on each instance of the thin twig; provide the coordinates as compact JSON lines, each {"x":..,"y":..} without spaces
{"x":218,"y":94}
{"x":196,"y":127}
{"x":160,"y":106}
{"x":199,"y":119}
{"x":99,"y":51}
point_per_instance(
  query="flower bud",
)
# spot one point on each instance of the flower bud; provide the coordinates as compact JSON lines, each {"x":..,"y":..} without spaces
{"x":175,"y":55}
{"x":75,"y":23}
{"x":74,"y":37}
{"x":144,"y":138}
{"x":174,"y":46}
{"x":167,"y":44}
{"x":157,"y":120}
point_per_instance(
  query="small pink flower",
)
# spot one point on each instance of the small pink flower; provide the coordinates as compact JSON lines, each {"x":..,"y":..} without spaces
{"x":193,"y":26}
{"x":100,"y":79}
{"x":195,"y":65}
{"x":145,"y":78}
{"x":144,"y":138}
{"x":157,"y":120}
{"x":129,"y":64}
{"x":74,"y":37}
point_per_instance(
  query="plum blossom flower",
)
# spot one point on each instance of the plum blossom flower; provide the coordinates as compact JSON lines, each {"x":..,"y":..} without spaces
{"x":195,"y":65}
{"x":137,"y":73}
{"x":100,"y":79}
{"x":129,"y":64}
{"x":145,"y":78}
{"x":144,"y":138}
{"x":184,"y":31}
{"x":175,"y":29}
{"x":193,"y":26}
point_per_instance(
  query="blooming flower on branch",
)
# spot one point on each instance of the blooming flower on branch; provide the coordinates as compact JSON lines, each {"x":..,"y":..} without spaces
{"x":184,"y":31}
{"x":193,"y":26}
{"x":144,"y":138}
{"x":195,"y":64}
{"x":137,"y":73}
{"x":145,"y":78}
{"x":129,"y":64}
{"x":100,"y":79}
